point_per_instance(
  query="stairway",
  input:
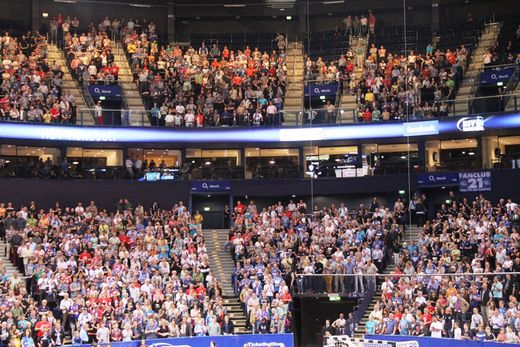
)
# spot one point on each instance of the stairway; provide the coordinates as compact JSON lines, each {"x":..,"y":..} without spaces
{"x":348,"y":104}
{"x":6,"y":264}
{"x":70,"y":85}
{"x":410,"y":234}
{"x":293,"y":101}
{"x":511,"y":106}
{"x":223,"y":268}
{"x":476,"y":65}
{"x":131,"y":94}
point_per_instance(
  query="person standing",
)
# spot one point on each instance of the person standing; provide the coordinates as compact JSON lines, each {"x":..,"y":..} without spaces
{"x":227,"y":216}
{"x":228,"y":328}
{"x":98,"y":110}
{"x":129,"y":165}
{"x":371,"y":22}
{"x":138,"y":166}
{"x":331,"y":113}
{"x":420,"y":212}
{"x":348,"y":25}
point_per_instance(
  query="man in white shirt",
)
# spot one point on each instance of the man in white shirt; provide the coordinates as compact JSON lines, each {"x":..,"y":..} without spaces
{"x":169,"y":120}
{"x":103,"y":334}
{"x":79,"y":210}
{"x":271,"y":113}
{"x":189,"y":118}
{"x":129,"y":165}
{"x":476,"y":319}
{"x":436,"y":327}
{"x":177,"y":120}
{"x":138,"y":165}
{"x":457,"y":331}
{"x":180,"y":109}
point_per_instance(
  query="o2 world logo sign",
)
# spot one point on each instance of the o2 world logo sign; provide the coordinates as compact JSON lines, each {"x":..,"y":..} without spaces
{"x":471,"y":124}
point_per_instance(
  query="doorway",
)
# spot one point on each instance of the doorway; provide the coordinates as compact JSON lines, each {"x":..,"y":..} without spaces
{"x":212,"y":208}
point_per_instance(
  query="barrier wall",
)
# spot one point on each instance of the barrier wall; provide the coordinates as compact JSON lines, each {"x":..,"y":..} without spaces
{"x":267,"y":340}
{"x":438,"y":342}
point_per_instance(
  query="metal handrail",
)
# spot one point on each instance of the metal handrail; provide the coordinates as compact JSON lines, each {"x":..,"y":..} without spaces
{"x":343,"y":115}
{"x":83,"y":87}
{"x":476,"y":82}
{"x":510,"y":87}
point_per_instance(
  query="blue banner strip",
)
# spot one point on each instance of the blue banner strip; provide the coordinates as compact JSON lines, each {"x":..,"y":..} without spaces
{"x":267,"y":340}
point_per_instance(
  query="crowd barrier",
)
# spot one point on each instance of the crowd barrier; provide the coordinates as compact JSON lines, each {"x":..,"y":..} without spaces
{"x":438,"y":342}
{"x":249,"y":340}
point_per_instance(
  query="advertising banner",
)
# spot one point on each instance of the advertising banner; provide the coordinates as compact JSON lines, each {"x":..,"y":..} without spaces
{"x":437,"y":179}
{"x":266,"y":340}
{"x":321,"y":89}
{"x":210,"y":186}
{"x":109,"y":91}
{"x":498,"y":75}
{"x":476,"y":181}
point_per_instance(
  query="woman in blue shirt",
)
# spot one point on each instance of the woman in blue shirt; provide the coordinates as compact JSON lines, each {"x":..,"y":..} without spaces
{"x":27,"y":340}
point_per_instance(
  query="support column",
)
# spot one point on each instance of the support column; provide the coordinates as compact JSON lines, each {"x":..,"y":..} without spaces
{"x":170,"y":21}
{"x":302,"y":22}
{"x":242,"y":154}
{"x":421,"y":148}
{"x":480,"y":152}
{"x":35,"y":16}
{"x":302,"y":164}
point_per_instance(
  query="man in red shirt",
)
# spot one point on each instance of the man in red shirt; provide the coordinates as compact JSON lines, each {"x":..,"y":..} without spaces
{"x":42,"y":326}
{"x":240,"y":208}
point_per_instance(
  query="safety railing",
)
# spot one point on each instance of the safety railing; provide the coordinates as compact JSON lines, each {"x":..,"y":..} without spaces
{"x":357,"y":282}
{"x":307,"y":117}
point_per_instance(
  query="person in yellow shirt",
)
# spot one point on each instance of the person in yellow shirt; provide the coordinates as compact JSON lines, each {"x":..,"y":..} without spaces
{"x":131,"y":47}
{"x":197,"y":219}
{"x":47,"y":117}
{"x":369,"y":97}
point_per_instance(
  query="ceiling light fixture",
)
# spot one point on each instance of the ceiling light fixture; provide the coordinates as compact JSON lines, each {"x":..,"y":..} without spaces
{"x":140,"y":5}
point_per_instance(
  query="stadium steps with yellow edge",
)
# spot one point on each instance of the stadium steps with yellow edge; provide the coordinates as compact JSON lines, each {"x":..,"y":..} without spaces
{"x":131,"y":93}
{"x":293,"y":99}
{"x":411,"y":234}
{"x":223,"y":267}
{"x":476,"y":64}
{"x":512,"y":103}
{"x":54,"y":54}
{"x":348,"y":102}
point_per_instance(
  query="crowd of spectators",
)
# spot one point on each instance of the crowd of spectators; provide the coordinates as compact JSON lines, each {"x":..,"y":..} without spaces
{"x":88,"y":53}
{"x":273,"y":245}
{"x":505,"y":52}
{"x":413,"y":86}
{"x":208,"y":86}
{"x":31,"y":87}
{"x":421,"y":298}
{"x":98,"y":276}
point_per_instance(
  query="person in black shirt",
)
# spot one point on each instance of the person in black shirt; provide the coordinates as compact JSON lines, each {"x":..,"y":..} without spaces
{"x":327,"y":328}
{"x":45,"y":340}
{"x":263,"y":326}
{"x":228,"y":327}
{"x":373,"y":205}
{"x":318,"y":280}
{"x":420,"y":212}
{"x":227,"y":216}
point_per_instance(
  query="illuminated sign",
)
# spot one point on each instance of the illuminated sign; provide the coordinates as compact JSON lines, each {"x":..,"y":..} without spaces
{"x":256,"y":135}
{"x":421,"y":128}
{"x":471,"y":124}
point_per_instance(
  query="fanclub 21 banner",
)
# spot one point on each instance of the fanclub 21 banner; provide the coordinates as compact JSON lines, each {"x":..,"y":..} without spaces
{"x":475,"y":181}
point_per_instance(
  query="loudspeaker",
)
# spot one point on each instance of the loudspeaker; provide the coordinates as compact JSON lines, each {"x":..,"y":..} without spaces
{"x":498,"y":152}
